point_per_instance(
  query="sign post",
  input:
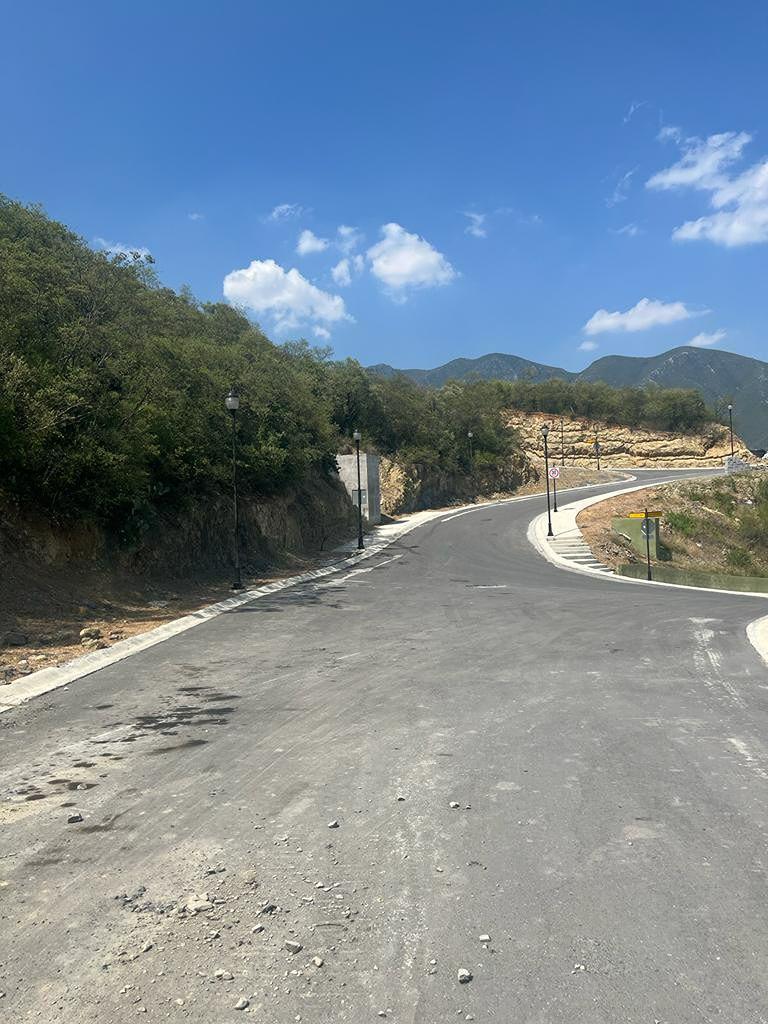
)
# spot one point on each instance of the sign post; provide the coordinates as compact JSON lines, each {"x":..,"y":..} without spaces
{"x":554,"y":474}
{"x":646,"y":528}
{"x":649,"y":525}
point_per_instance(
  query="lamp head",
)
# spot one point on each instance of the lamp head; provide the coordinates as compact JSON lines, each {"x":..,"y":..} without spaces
{"x":544,"y":429}
{"x":232,"y":401}
{"x":356,"y":435}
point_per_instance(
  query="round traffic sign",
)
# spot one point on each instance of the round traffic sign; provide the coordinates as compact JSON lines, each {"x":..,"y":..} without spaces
{"x":554,"y":472}
{"x":647,"y":527}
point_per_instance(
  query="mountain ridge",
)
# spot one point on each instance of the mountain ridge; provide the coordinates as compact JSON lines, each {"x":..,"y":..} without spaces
{"x":720,"y":376}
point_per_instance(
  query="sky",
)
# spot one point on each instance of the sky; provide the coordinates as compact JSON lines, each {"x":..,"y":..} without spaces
{"x":414,"y":181}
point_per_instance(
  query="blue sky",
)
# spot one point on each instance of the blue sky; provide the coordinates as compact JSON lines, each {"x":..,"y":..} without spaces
{"x":556,"y":180}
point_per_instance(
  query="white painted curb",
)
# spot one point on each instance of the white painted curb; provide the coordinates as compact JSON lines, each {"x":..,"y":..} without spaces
{"x":757,"y":634}
{"x":537,"y":535}
{"x":38,"y":683}
{"x":757,"y":630}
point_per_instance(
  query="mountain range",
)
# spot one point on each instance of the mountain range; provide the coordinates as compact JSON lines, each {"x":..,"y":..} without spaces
{"x":721,"y":377}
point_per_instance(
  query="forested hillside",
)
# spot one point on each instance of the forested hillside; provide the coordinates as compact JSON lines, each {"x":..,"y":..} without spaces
{"x":112,"y":388}
{"x":718,"y":377}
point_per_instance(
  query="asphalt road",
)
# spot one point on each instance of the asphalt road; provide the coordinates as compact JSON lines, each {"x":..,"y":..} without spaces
{"x":605,"y":744}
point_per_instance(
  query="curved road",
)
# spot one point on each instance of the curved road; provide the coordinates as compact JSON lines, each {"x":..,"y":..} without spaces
{"x":605,"y":744}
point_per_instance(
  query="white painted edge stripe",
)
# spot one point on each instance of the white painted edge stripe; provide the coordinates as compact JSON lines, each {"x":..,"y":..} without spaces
{"x":756,"y":630}
{"x":47,"y":679}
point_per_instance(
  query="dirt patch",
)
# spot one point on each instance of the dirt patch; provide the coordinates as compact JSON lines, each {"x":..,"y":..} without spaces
{"x":570,"y":476}
{"x":707,"y":525}
{"x":43,"y":609}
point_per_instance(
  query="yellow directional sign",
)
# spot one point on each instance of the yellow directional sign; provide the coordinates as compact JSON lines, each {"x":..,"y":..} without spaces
{"x":641,"y":515}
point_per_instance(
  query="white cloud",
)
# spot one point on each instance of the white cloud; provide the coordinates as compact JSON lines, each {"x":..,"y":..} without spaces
{"x":118,"y":249}
{"x":286,"y":211}
{"x":346,"y":269}
{"x":402,"y":260}
{"x":348,"y":238}
{"x":704,"y":340}
{"x":309,"y":242}
{"x":195,"y":216}
{"x":476,"y":224}
{"x":647,"y":313}
{"x":633,"y":109}
{"x":739,"y":199}
{"x":285,"y":295}
{"x":588,"y":346}
{"x":341,"y":273}
{"x":321,"y":332}
{"x":621,"y":189}
{"x":669,"y":132}
{"x":631,"y":230}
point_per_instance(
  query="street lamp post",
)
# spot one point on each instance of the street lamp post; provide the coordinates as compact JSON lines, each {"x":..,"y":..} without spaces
{"x":232,"y":404}
{"x":470,"y":436}
{"x":360,"y":545}
{"x":597,"y":453}
{"x":730,"y":419}
{"x":544,"y":433}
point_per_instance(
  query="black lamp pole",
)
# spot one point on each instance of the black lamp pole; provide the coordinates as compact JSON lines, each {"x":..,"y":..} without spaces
{"x":360,"y":544}
{"x":470,"y":436}
{"x":730,"y":418}
{"x":544,"y":432}
{"x":597,"y":453}
{"x":232,"y":403}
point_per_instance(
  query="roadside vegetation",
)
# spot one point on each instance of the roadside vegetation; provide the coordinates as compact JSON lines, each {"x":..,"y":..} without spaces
{"x":111,"y":395}
{"x":654,"y":408}
{"x":717,"y":526}
{"x":112,"y":386}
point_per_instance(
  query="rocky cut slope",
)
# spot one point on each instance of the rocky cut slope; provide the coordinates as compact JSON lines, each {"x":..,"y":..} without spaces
{"x":622,"y":446}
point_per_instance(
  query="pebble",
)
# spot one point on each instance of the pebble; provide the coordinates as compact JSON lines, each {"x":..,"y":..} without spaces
{"x":197,"y":904}
{"x":223,"y":975}
{"x":485,"y":938}
{"x":256,"y":928}
{"x":463,"y":975}
{"x":74,"y":818}
{"x":333,"y":824}
{"x":293,"y":947}
{"x":454,"y":804}
{"x":242,"y":1004}
{"x":318,"y":961}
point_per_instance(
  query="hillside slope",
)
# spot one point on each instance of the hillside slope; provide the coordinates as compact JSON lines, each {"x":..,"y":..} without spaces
{"x":718,"y":376}
{"x":494,"y":366}
{"x":621,"y":446}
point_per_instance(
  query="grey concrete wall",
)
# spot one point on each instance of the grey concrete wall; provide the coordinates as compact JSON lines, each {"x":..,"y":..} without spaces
{"x":369,"y":480}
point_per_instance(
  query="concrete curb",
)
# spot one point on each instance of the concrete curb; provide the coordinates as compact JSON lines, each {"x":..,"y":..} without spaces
{"x":537,"y":536}
{"x":47,"y":679}
{"x":757,"y":634}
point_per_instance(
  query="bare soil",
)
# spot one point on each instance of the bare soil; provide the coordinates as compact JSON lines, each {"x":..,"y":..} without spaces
{"x":704,"y":527}
{"x":44,"y":608}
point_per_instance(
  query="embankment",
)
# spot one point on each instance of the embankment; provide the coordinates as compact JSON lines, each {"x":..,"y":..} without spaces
{"x":624,"y":446}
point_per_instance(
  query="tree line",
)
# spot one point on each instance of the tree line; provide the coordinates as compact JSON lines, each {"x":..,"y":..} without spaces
{"x":112,"y":387}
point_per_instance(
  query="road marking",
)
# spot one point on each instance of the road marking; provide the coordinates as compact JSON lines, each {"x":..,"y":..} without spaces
{"x":356,"y":572}
{"x":748,"y":756}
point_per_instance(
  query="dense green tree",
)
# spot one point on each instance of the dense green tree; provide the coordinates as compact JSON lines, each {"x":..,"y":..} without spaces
{"x":111,"y":392}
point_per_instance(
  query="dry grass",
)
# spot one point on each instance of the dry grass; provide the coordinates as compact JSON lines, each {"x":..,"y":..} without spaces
{"x":707,"y":525}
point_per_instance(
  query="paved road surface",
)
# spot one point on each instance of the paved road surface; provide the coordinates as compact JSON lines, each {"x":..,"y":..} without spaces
{"x":606,"y":744}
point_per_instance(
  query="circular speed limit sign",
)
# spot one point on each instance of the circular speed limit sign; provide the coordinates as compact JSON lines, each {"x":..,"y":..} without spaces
{"x":554,"y":473}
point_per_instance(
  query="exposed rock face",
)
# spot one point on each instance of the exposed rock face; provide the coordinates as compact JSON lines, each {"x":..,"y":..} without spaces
{"x":415,"y":487}
{"x":621,"y":446}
